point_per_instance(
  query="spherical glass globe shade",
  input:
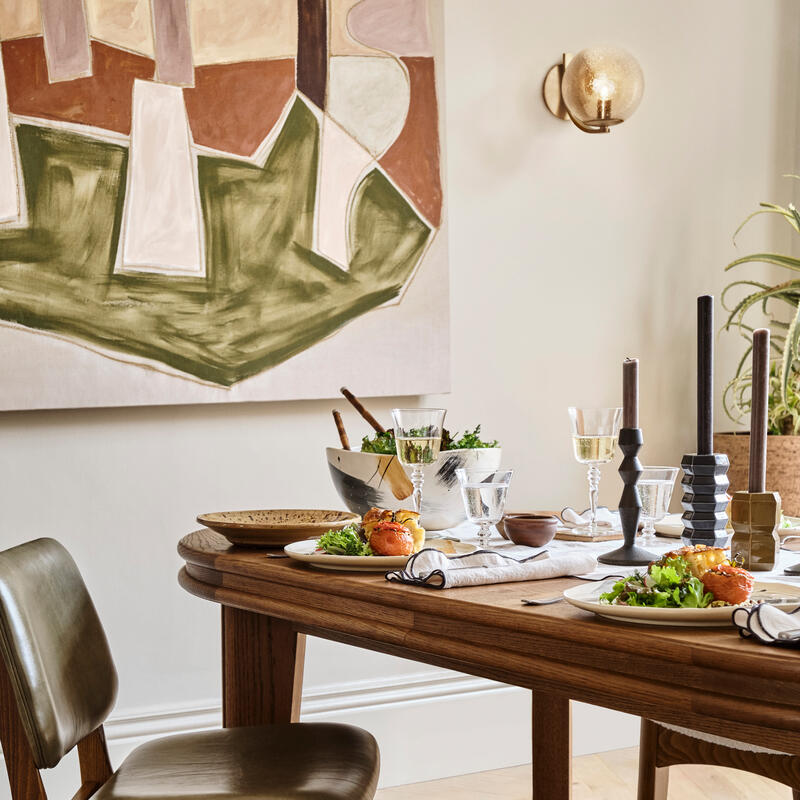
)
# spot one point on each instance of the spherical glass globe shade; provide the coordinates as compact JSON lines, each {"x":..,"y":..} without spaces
{"x":602,"y":86}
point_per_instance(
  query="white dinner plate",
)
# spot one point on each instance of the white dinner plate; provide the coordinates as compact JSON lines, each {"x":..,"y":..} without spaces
{"x":306,"y":551}
{"x":671,"y":526}
{"x":587,"y":597}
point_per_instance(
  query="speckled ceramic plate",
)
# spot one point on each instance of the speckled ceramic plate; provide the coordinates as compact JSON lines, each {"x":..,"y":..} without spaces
{"x":782,"y":595}
{"x":307,"y":551}
{"x":275,"y":527}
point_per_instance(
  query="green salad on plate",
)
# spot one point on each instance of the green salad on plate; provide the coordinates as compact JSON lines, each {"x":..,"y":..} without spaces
{"x":668,"y":583}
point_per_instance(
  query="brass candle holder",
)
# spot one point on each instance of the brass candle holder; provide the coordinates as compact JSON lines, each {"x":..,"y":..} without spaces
{"x":756,"y":513}
{"x":755,"y":517}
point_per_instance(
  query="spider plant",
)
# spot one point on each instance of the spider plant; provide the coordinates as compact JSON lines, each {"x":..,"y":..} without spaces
{"x":779,"y":302}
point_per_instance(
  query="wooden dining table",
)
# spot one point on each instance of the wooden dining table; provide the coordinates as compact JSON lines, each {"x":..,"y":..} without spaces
{"x":708,"y":679}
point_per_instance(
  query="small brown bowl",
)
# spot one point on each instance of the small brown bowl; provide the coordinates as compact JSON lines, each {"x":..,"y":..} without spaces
{"x":531,"y":530}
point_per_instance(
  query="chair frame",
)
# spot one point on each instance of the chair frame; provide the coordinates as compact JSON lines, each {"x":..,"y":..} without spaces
{"x":23,"y":774}
{"x":660,"y":748}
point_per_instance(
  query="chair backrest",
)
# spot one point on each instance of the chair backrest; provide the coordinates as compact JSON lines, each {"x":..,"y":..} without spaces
{"x":54,"y":648}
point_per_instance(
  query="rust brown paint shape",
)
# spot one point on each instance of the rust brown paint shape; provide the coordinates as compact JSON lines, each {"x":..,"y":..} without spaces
{"x":234,"y":106}
{"x":413,"y":160}
{"x":104,"y":100}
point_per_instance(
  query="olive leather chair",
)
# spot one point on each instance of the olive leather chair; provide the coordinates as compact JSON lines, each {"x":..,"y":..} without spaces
{"x":58,"y":684}
{"x":661,"y":746}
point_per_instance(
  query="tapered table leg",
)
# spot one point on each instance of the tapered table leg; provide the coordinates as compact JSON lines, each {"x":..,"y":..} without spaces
{"x":262,"y":669}
{"x":552,"y":747}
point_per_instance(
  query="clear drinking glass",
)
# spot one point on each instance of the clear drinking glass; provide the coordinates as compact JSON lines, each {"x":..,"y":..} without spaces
{"x":655,"y":491}
{"x":484,"y":493}
{"x":595,"y":432}
{"x":418,"y":438}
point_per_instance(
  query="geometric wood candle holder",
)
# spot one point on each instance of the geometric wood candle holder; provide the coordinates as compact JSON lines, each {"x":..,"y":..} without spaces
{"x":755,"y":517}
{"x":705,"y":499}
{"x":756,"y":513}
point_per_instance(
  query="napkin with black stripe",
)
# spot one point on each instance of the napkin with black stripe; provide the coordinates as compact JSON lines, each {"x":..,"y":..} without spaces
{"x":768,"y":625}
{"x":433,"y":568}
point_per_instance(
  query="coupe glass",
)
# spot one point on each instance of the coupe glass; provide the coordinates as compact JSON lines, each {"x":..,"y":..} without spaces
{"x":595,"y":432}
{"x":655,"y":491}
{"x":484,"y":493}
{"x":418,"y":438}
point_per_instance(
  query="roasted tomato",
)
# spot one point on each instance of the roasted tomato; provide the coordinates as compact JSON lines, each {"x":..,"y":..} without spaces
{"x":730,"y":584}
{"x":391,"y":539}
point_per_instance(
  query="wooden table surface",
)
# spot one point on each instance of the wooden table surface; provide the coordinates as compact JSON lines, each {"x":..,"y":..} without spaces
{"x":704,"y":678}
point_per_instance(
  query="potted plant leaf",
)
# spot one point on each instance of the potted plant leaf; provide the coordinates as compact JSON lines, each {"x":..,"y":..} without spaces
{"x":781,"y":303}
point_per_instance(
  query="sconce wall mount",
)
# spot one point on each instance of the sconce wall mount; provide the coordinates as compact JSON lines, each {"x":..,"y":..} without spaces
{"x":596,"y":89}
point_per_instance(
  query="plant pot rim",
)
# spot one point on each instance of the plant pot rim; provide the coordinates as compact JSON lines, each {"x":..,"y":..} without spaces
{"x":747,"y":433}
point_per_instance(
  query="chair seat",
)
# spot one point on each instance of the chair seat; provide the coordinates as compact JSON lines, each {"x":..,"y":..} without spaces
{"x":312,"y":761}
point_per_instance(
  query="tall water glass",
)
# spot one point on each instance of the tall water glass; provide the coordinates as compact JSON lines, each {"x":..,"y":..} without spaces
{"x":655,"y":491}
{"x":595,"y":432}
{"x":418,"y":438}
{"x":484,"y":493}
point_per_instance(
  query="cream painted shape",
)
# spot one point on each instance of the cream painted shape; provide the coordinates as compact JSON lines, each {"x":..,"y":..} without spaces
{"x":343,"y":162}
{"x":9,"y":187}
{"x":369,"y":97}
{"x":19,"y":18}
{"x":162,"y":225}
{"x":125,"y":23}
{"x":242,"y":30}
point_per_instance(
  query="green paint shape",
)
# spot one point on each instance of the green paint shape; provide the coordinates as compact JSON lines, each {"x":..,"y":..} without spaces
{"x":267,"y":296}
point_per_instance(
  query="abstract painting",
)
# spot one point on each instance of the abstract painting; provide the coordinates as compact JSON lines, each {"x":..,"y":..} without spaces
{"x":219,"y":200}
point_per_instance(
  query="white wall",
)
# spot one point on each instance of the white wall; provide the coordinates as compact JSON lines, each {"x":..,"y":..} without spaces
{"x":568,"y":252}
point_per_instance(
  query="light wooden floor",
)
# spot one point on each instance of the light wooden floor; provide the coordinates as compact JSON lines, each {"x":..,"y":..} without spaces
{"x":605,"y":776}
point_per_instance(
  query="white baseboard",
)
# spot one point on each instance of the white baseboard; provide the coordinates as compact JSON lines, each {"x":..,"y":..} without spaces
{"x":431,"y":725}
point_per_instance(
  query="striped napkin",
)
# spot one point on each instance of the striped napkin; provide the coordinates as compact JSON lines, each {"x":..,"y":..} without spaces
{"x":765,"y":624}
{"x":433,"y":568}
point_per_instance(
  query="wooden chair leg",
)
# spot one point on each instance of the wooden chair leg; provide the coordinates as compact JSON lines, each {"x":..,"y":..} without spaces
{"x":653,"y":780}
{"x":23,"y":775}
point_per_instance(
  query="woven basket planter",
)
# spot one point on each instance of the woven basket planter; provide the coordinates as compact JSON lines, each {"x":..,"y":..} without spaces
{"x":783,"y":466}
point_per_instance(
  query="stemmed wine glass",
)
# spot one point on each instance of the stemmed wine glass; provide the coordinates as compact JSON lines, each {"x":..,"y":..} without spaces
{"x":418,"y":438}
{"x":484,"y":493}
{"x":655,"y":491}
{"x":595,"y":432}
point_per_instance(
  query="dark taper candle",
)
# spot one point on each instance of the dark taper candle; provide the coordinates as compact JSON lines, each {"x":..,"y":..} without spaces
{"x":630,"y":393}
{"x":705,"y":374}
{"x":758,"y":411}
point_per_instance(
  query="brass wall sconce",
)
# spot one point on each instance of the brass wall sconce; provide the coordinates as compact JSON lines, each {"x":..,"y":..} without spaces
{"x":596,"y":89}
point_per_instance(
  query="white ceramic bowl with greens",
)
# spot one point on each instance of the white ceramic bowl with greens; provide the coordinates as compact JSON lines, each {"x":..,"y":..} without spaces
{"x":364,"y":480}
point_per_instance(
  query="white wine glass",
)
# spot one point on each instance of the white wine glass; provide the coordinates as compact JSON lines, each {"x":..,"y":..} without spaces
{"x":484,"y":492}
{"x":655,"y":491}
{"x":418,"y":438}
{"x":595,"y":432}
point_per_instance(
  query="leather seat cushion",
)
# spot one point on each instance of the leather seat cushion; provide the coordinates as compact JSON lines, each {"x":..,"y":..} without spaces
{"x":312,"y":761}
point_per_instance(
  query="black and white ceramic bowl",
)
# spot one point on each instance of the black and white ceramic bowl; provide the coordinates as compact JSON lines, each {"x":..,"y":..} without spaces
{"x":364,"y":480}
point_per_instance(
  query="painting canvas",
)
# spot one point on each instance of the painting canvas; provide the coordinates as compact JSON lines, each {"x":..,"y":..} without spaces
{"x":220,"y":200}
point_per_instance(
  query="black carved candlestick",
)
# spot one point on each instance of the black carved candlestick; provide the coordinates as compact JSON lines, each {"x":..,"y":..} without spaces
{"x":630,"y":506}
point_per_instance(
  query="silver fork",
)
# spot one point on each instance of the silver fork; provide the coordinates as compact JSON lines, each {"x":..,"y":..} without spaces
{"x":544,"y":601}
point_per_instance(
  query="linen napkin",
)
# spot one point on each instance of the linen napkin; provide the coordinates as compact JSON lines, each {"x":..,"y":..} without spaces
{"x":605,"y":518}
{"x":433,"y":568}
{"x":765,"y":623}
